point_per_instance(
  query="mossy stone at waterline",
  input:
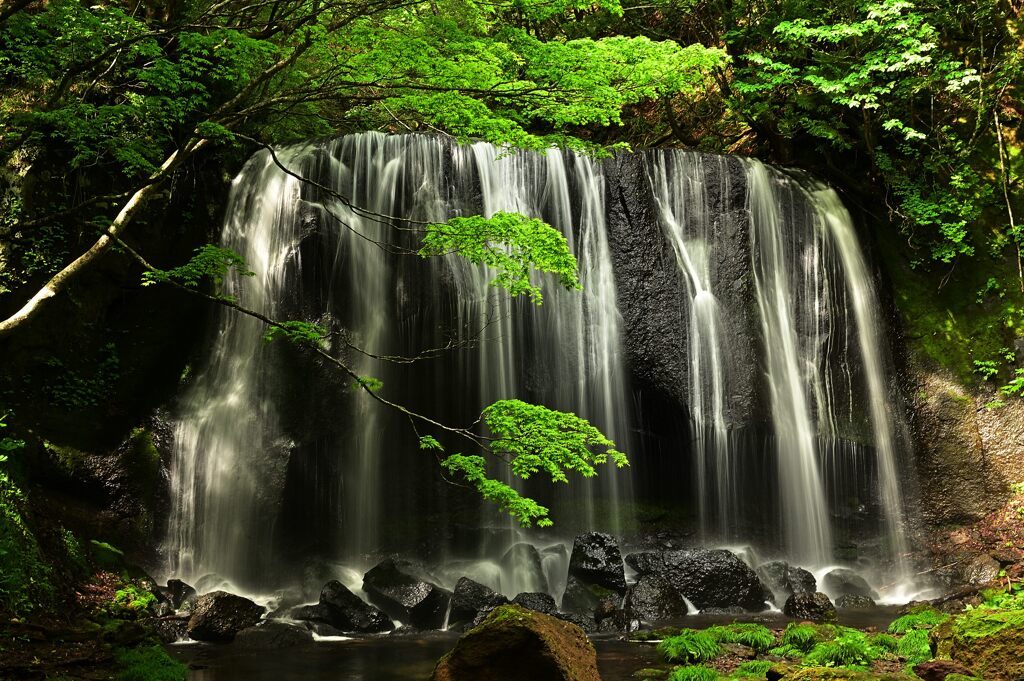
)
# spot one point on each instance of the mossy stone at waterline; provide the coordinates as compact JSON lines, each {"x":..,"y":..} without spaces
{"x":991,"y":643}
{"x":516,"y":644}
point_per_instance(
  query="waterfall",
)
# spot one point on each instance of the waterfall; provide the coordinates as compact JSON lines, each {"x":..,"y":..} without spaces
{"x":279,"y":464}
{"x":242,"y":442}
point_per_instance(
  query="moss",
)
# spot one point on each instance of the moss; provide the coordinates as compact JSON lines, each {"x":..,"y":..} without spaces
{"x":694,"y":673}
{"x":751,"y":669}
{"x":107,"y":556}
{"x":990,"y":642}
{"x":914,"y":647}
{"x":26,"y":578}
{"x":650,"y":674}
{"x":924,"y":618}
{"x":148,"y":663}
{"x":131,"y":601}
{"x":67,"y":459}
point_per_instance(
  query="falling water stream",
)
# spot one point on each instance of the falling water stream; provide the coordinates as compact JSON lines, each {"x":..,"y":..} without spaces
{"x":276,"y":463}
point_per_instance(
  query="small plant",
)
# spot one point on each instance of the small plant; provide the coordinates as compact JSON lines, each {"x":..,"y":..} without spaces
{"x":850,"y":648}
{"x":756,"y":636}
{"x":885,"y":642}
{"x":922,"y":619}
{"x":914,"y":648}
{"x":802,"y":637}
{"x":694,"y":673}
{"x":131,"y":601}
{"x":689,"y":646}
{"x":752,"y":669}
{"x":148,"y":663}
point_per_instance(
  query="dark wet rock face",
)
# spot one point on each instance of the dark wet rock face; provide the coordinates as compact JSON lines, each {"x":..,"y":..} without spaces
{"x":596,"y":560}
{"x":470,"y":599}
{"x":218,"y":616}
{"x":851,"y":602}
{"x":846,"y":582}
{"x":169,"y":629}
{"x":395,"y":587}
{"x":178,"y":594}
{"x":653,"y":598}
{"x":516,"y":643}
{"x":349,"y":612}
{"x":272,"y":635}
{"x":538,"y":602}
{"x":784,"y":580}
{"x":709,"y":578}
{"x":815,"y":607}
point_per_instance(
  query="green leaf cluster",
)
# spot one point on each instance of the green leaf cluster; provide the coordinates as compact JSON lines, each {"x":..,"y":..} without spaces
{"x":690,"y":645}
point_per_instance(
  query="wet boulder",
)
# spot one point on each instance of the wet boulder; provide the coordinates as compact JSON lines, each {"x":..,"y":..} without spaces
{"x":397,"y":589}
{"x":169,"y":629}
{"x":596,"y":560}
{"x":784,"y":580}
{"x":272,"y":635}
{"x":470,"y":599}
{"x":350,"y":612}
{"x":939,"y":670}
{"x":843,"y":581}
{"x":709,"y":578}
{"x":178,"y":594}
{"x":536,"y":601}
{"x":653,"y":598}
{"x":851,"y":602}
{"x":514,"y":644}
{"x":218,"y":616}
{"x":991,"y":643}
{"x":523,"y":561}
{"x":815,"y":607}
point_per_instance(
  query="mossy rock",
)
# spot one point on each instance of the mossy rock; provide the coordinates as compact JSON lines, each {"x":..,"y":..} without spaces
{"x":514,"y":643}
{"x":650,"y":674}
{"x":990,"y":642}
{"x":940,"y":639}
{"x":794,"y":673}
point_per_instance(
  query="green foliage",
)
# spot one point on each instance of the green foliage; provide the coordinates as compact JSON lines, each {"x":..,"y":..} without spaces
{"x":131,"y":601}
{"x":299,"y":333}
{"x":148,"y":663}
{"x":74,"y":553}
{"x":209,"y":263}
{"x":753,"y":635}
{"x":694,"y":673}
{"x":884,"y":642}
{"x":509,"y":243}
{"x":26,"y":578}
{"x":849,"y":648}
{"x":803,"y":637}
{"x":690,"y":645}
{"x":473,"y":469}
{"x":80,"y":389}
{"x":367,"y":383}
{"x":1010,"y":598}
{"x":921,"y":619}
{"x":106,"y":556}
{"x":914,"y":647}
{"x":751,"y":669}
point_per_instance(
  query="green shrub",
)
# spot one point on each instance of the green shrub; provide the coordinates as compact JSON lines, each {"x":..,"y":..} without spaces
{"x":752,"y":669}
{"x":148,"y":663}
{"x":689,"y":646}
{"x":74,"y":553}
{"x":803,"y":636}
{"x":695,"y":673}
{"x":914,"y":646}
{"x":756,"y":636}
{"x":25,"y":577}
{"x":884,"y":642}
{"x":131,"y":601}
{"x":1003,"y":599}
{"x":921,"y":619}
{"x":849,"y":648}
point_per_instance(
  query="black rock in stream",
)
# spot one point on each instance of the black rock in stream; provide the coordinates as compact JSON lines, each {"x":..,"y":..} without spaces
{"x":709,"y":578}
{"x":852,"y":602}
{"x":652,"y":598}
{"x":471,"y":599}
{"x":272,"y":635}
{"x":349,"y":612}
{"x":843,"y":582}
{"x":218,"y":616}
{"x":596,"y":559}
{"x":536,"y":601}
{"x":784,"y":580}
{"x":815,"y":607}
{"x":178,"y":594}
{"x":396,"y":588}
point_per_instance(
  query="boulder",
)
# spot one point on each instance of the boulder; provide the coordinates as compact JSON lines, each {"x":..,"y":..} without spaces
{"x":514,"y":644}
{"x":272,"y":635}
{"x":843,"y":581}
{"x":585,"y":623}
{"x":653,"y":598}
{"x":350,"y":612}
{"x":815,"y":607}
{"x":535,"y":601}
{"x":178,"y":594}
{"x":596,"y":560}
{"x":938,"y":670}
{"x":584,"y":598}
{"x":991,"y":643}
{"x":709,"y":578}
{"x":169,"y":629}
{"x":397,"y":589}
{"x":851,"y":602}
{"x":218,"y":616}
{"x":523,"y":562}
{"x":980,"y":570}
{"x":784,"y":580}
{"x":470,"y":599}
